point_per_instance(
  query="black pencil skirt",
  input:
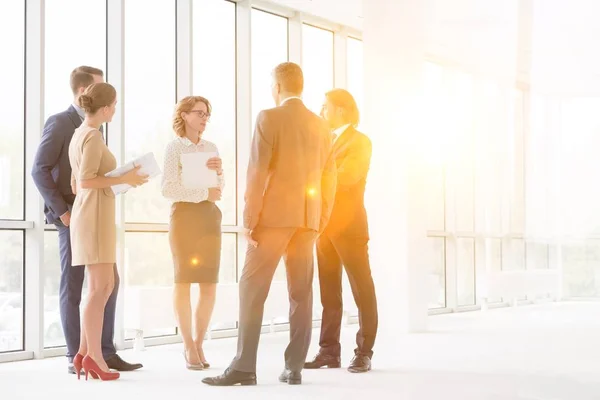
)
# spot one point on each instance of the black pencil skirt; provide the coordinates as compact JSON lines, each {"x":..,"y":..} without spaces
{"x":195,"y":239}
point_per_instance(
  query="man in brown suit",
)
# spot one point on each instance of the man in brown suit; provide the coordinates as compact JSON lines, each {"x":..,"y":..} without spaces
{"x":289,"y":197}
{"x":345,"y":240}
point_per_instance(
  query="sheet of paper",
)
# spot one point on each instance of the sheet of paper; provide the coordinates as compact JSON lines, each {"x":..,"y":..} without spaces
{"x":148,"y":165}
{"x":194,"y":172}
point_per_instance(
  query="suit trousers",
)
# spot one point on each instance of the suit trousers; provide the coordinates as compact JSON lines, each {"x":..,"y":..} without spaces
{"x":296,"y":246}
{"x":71,"y":286}
{"x":333,"y":251}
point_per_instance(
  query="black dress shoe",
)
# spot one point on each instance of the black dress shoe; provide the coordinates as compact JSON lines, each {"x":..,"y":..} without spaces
{"x":232,"y":377}
{"x":290,"y":377}
{"x":324,"y":360}
{"x":117,"y":363}
{"x":360,"y":363}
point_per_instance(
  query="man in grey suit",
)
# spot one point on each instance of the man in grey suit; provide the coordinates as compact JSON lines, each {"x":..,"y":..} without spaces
{"x":289,"y":196}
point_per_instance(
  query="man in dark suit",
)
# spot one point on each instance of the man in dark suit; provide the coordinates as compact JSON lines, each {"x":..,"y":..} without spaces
{"x":51,"y":173}
{"x":289,"y":195}
{"x":344,"y":241}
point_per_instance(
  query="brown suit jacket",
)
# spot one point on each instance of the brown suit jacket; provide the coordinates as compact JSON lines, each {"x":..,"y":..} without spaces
{"x":352,"y":152}
{"x":291,"y":175}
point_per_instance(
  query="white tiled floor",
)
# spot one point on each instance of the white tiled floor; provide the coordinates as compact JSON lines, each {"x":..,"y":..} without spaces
{"x":534,"y":352}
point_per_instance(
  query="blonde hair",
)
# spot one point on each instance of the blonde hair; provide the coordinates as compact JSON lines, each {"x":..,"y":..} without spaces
{"x":186,"y":105}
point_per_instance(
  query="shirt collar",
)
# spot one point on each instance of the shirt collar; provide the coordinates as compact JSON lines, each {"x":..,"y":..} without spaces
{"x":337,"y":132}
{"x":290,"y":98}
{"x":80,"y":111}
{"x":187,"y":142}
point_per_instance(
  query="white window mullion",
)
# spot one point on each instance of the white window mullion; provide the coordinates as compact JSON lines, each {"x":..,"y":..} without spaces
{"x":295,"y":38}
{"x":184,"y":48}
{"x":115,"y":71}
{"x":34,"y":238}
{"x":244,"y":113}
{"x":340,"y":59}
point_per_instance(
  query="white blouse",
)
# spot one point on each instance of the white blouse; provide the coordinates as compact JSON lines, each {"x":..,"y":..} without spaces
{"x":172,"y":188}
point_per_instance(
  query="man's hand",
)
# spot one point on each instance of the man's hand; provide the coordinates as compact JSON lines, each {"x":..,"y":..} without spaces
{"x":250,"y":239}
{"x":216,"y":164}
{"x":66,"y":218}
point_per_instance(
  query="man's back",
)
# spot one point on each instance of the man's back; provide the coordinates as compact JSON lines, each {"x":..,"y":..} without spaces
{"x":291,"y":174}
{"x":51,"y":169}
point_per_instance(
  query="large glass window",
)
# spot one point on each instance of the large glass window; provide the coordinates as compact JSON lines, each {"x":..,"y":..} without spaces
{"x":11,"y":290}
{"x":12,"y":154}
{"x":149,"y":98}
{"x":269,"y":48}
{"x":12,"y":130}
{"x":214,"y":77}
{"x":67,"y":48}
{"x":317,"y":64}
{"x":355,"y":70}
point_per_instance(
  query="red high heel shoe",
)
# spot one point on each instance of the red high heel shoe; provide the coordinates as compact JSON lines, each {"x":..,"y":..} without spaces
{"x":77,"y":364}
{"x":90,"y":366}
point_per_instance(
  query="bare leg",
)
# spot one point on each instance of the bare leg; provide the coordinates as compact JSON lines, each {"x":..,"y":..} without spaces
{"x":204,"y":309}
{"x":183,"y":311}
{"x":101,"y":283}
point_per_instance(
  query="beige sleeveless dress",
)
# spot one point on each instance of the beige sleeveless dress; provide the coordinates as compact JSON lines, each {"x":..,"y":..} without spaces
{"x":93,"y":228}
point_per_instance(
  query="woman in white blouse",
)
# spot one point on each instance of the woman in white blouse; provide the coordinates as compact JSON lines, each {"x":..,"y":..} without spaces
{"x":195,"y":227}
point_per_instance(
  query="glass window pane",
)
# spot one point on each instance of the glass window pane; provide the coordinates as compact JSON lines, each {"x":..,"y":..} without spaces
{"x":150,"y":90}
{"x":460,"y":102}
{"x":214,"y":77}
{"x":269,"y":48}
{"x":434,"y":173}
{"x":67,"y":48}
{"x":578,"y":172}
{"x":11,"y":290}
{"x":537,"y":256}
{"x":53,"y":332}
{"x":517,"y":164}
{"x":317,"y":65}
{"x":513,"y":254}
{"x":581,"y":268}
{"x":148,"y":265}
{"x":436,"y":260}
{"x":12,"y":98}
{"x":228,"y":272}
{"x":465,"y":271}
{"x":355,"y":71}
{"x":494,"y":260}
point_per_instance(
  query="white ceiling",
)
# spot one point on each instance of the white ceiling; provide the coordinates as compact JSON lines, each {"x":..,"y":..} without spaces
{"x":344,"y":12}
{"x":549,"y":43}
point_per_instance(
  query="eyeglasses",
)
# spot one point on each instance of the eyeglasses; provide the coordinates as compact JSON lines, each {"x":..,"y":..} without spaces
{"x":201,"y":114}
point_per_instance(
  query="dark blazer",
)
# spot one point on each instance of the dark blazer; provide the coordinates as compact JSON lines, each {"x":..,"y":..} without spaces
{"x":352,"y":152}
{"x":291,"y":172}
{"x":51,"y":169}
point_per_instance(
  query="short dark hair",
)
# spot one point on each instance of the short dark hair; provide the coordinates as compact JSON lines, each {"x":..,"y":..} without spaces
{"x":83,"y":76}
{"x":343,"y":99}
{"x":289,"y":76}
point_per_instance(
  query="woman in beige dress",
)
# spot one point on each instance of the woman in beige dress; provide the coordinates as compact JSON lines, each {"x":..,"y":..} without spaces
{"x":93,"y":230}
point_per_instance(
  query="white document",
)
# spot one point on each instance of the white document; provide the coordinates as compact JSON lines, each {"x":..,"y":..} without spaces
{"x":194,"y":172}
{"x":148,"y":165}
